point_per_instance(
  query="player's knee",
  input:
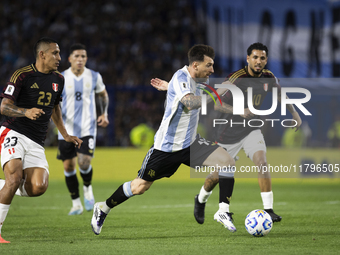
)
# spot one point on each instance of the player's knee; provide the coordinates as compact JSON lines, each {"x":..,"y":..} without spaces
{"x":69,"y":168}
{"x":228,"y":162}
{"x":38,"y":189}
{"x":84,"y":165}
{"x":262,"y":162}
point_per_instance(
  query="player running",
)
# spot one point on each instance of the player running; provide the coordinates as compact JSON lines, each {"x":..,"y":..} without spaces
{"x":29,"y":100}
{"x":176,"y":141}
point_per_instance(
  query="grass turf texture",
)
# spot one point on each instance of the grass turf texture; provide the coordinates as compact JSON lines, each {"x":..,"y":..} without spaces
{"x":161,"y":221}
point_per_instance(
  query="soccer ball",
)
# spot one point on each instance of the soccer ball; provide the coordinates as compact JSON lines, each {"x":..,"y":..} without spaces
{"x":258,"y":223}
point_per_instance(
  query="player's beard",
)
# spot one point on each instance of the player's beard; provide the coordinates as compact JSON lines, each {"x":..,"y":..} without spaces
{"x":256,"y":72}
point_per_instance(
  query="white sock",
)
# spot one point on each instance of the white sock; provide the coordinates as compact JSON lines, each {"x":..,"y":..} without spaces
{"x":223,"y":207}
{"x":267,"y":199}
{"x":3,"y":213}
{"x":103,"y":206}
{"x":203,"y":195}
{"x":21,"y":191}
{"x":76,"y":202}
{"x":2,"y":183}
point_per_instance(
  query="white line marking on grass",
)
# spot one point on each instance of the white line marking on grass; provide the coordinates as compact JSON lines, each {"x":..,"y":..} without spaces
{"x":332,"y":202}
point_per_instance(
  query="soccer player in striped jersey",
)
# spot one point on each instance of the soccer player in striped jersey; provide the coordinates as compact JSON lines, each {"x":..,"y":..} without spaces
{"x":176,"y":140}
{"x":83,"y":87}
{"x":29,"y":100}
{"x":234,"y":138}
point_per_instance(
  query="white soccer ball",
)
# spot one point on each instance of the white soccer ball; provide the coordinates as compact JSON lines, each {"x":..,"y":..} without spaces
{"x":258,"y":223}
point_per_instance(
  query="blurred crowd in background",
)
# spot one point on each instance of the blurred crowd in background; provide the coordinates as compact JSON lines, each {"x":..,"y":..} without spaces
{"x":128,"y":42}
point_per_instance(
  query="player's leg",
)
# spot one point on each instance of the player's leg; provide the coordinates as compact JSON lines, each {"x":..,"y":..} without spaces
{"x":210,"y":182}
{"x":156,"y":165}
{"x":264,"y":180}
{"x":13,"y":150}
{"x":255,"y":149}
{"x":85,"y":154}
{"x":36,"y":181}
{"x":68,"y":153}
{"x":13,"y":175}
{"x":72,"y":184}
{"x":222,"y":158}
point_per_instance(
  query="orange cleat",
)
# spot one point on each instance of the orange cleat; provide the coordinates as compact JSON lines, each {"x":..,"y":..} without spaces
{"x":3,"y":240}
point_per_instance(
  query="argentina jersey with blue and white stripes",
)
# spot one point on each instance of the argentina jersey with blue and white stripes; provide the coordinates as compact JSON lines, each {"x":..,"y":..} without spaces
{"x":179,"y":125}
{"x":78,"y":102}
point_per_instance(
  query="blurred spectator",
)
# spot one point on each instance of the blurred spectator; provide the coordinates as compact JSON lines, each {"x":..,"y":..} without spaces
{"x":142,"y":136}
{"x":333,"y":133}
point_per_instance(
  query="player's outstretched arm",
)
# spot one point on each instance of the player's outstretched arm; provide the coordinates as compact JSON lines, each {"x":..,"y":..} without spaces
{"x":294,"y":113}
{"x":8,"y":108}
{"x":159,"y":84}
{"x":58,"y":121}
{"x":103,"y":101}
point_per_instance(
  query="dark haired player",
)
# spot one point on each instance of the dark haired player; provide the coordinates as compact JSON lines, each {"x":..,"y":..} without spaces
{"x":234,"y":138}
{"x":84,"y":88}
{"x":176,"y":141}
{"x":29,"y":100}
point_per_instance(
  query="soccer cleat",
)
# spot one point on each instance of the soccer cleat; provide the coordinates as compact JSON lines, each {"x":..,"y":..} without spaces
{"x":199,"y":211}
{"x":98,"y":218}
{"x":225,"y":219}
{"x":3,"y":240}
{"x":88,"y":198}
{"x":275,"y":217}
{"x":76,"y":210}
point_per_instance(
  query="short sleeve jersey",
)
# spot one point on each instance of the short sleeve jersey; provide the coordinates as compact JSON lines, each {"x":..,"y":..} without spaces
{"x":78,"y":105}
{"x":228,"y":134}
{"x":179,"y":125}
{"x":29,"y":88}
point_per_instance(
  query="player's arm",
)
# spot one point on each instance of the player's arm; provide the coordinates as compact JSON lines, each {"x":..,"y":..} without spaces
{"x":8,"y":108}
{"x":58,"y":121}
{"x":292,"y":110}
{"x":103,"y":102}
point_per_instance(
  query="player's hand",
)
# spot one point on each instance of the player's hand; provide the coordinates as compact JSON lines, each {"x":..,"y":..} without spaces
{"x":103,"y":121}
{"x":34,"y":113}
{"x":247,"y":114}
{"x":159,"y":84}
{"x":298,"y":120}
{"x":73,"y":139}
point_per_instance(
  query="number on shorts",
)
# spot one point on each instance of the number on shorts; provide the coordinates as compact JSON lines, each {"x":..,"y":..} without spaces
{"x":9,"y":143}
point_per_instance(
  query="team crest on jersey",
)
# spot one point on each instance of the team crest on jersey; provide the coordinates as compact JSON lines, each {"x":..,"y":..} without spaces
{"x":265,"y":86}
{"x":55,"y":86}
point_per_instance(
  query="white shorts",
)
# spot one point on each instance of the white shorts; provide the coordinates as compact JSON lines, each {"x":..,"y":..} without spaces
{"x":251,"y":143}
{"x":15,"y":145}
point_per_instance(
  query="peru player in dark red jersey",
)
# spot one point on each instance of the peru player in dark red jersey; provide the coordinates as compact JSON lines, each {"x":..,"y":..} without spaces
{"x":247,"y":137}
{"x":29,"y":100}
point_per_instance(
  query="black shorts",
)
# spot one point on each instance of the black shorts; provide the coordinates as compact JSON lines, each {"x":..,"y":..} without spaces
{"x":68,"y":150}
{"x":158,"y":164}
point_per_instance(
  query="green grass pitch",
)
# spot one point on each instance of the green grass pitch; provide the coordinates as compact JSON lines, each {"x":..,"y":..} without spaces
{"x":161,"y":221}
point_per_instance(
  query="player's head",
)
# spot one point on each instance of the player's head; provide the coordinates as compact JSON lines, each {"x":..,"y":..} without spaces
{"x":201,"y":60}
{"x":78,"y":57}
{"x":47,"y":54}
{"x":257,"y":57}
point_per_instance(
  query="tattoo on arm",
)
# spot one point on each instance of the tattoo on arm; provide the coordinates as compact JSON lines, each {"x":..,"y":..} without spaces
{"x":103,"y":102}
{"x":191,"y":102}
{"x":8,"y":108}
